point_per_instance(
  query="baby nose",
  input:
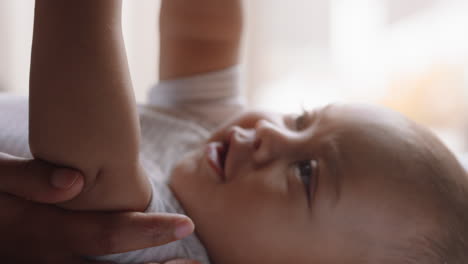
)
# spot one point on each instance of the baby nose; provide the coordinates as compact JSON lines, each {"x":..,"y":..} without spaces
{"x":241,"y":136}
{"x":271,"y":141}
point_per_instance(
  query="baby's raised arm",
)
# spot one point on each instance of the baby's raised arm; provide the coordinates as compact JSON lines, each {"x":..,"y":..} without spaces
{"x":198,"y":36}
{"x":82,"y":108}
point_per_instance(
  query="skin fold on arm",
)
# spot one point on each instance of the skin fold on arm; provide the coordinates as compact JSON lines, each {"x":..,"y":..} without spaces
{"x":82,"y":107}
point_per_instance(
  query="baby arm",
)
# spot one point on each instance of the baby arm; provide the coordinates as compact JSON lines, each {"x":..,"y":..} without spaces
{"x":82,"y":108}
{"x":198,"y":36}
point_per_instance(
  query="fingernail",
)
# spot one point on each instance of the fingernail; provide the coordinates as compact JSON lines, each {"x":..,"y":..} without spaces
{"x":63,"y":178}
{"x":183,"y":228}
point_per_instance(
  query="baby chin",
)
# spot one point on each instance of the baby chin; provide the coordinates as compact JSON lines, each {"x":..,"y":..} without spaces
{"x":190,"y":181}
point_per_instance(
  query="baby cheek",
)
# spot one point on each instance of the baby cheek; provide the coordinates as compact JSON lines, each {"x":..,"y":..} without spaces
{"x":259,"y":196}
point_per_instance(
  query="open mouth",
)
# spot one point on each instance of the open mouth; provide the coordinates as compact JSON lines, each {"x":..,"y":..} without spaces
{"x":216,"y":154}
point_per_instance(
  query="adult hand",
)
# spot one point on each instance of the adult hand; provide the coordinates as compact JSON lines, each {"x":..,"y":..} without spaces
{"x":38,"y":181}
{"x":42,"y":233}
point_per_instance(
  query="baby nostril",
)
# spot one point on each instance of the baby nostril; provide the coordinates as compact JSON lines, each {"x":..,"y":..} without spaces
{"x":234,"y":133}
{"x":239,"y":135}
{"x":257,"y":144}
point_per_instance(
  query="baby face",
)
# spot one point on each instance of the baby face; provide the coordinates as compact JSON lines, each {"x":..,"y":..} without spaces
{"x":323,"y":187}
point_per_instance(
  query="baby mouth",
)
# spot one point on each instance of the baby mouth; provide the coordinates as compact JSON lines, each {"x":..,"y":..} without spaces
{"x":216,"y":154}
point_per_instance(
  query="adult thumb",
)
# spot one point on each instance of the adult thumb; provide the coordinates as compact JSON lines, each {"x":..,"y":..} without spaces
{"x":37,"y":180}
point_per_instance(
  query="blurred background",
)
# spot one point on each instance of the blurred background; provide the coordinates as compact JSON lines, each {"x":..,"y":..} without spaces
{"x":409,"y":55}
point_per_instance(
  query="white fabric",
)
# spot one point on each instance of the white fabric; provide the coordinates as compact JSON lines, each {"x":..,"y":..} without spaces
{"x":217,"y":95}
{"x":179,"y":116}
{"x":464,"y":160}
{"x":14,"y":125}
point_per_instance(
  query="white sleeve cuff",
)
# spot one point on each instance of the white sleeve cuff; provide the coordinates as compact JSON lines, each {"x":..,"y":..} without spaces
{"x":213,"y":96}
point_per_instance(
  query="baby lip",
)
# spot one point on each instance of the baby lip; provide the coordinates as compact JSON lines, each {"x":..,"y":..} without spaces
{"x":214,"y":153}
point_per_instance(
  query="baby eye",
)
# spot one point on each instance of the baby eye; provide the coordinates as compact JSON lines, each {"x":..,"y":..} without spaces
{"x":305,"y":170}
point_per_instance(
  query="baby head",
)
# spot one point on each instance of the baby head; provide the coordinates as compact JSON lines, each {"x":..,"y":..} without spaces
{"x":340,"y":184}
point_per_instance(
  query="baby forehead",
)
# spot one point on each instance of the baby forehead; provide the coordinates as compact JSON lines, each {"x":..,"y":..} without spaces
{"x":351,"y":121}
{"x":367,"y":129}
{"x":361,"y":113}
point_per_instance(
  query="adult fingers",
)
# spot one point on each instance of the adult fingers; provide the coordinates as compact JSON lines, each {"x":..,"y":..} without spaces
{"x":38,"y":181}
{"x":107,"y":233}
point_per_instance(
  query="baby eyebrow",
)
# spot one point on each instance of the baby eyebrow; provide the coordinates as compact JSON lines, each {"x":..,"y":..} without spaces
{"x":312,"y":117}
{"x":302,"y":120}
